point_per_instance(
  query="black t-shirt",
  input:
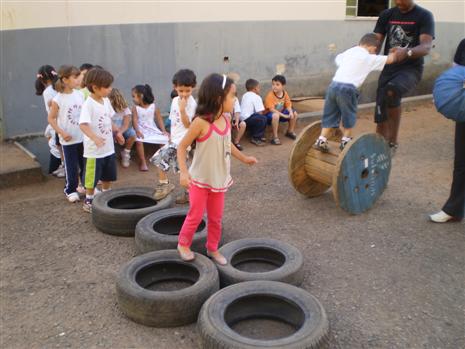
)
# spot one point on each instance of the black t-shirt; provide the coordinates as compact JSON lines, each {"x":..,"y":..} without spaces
{"x":459,"y":57}
{"x":404,"y":30}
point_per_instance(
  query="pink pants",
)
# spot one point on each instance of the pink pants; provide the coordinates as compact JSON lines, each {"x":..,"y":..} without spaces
{"x":201,"y":199}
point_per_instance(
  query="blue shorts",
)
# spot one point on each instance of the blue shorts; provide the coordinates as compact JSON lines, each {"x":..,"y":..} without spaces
{"x":269,"y":116}
{"x":130,"y":132}
{"x":340,"y":104}
{"x":96,"y":169}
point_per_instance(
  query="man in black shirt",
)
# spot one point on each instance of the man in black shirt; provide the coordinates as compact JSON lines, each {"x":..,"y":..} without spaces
{"x":409,"y":30}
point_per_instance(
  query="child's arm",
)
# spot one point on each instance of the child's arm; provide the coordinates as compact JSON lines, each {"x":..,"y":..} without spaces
{"x":159,"y":121}
{"x":118,"y":134}
{"x":392,"y":57}
{"x":250,"y":160}
{"x":237,"y":120}
{"x":87,"y":130}
{"x":193,"y":132}
{"x":182,"y":110}
{"x":52,"y":120}
{"x":135,"y":122}
{"x":125,"y":125}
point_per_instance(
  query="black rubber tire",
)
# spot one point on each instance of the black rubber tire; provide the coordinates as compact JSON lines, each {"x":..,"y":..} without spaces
{"x":147,"y":238}
{"x":286,"y":258}
{"x":165,"y":308}
{"x":121,"y":219}
{"x":263,"y":299}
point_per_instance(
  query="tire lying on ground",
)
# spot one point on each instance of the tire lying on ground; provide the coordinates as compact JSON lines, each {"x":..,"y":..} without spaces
{"x":117,"y":211}
{"x":261,"y":259}
{"x":262,"y":300}
{"x":144,"y":297}
{"x":160,"y":231}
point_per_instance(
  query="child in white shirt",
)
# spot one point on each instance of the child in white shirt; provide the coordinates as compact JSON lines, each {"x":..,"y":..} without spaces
{"x":252,"y":112}
{"x":341,"y":99}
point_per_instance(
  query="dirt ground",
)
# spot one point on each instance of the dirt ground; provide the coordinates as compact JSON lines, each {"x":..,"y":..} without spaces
{"x":387,"y":278}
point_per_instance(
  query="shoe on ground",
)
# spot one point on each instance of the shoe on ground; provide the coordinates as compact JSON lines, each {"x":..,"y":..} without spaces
{"x":442,"y":217}
{"x":322,"y":145}
{"x":257,"y":142}
{"x":87,"y":206}
{"x":291,"y":135}
{"x":73,"y":197}
{"x":393,"y":147}
{"x":275,"y":141}
{"x":217,"y":257}
{"x":344,"y":143}
{"x":185,"y":253}
{"x":125,"y":157}
{"x":162,"y":190}
{"x":59,"y":172}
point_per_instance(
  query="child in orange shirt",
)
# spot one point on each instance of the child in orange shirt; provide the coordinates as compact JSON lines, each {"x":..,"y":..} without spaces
{"x":279,"y":109}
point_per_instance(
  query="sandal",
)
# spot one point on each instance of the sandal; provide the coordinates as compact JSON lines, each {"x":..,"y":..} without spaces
{"x":185,"y":253}
{"x":275,"y":141}
{"x":217,"y":257}
{"x":291,"y":135}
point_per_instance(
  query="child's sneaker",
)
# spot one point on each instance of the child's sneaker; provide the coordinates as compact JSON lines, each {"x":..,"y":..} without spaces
{"x":87,"y":206}
{"x":59,"y":172}
{"x":162,"y":190}
{"x":344,"y":142}
{"x":73,"y":197}
{"x":393,"y":147}
{"x":125,"y":157}
{"x":322,"y":145}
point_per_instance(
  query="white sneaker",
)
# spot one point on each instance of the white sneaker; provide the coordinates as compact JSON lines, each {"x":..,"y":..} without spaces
{"x":440,"y":217}
{"x":59,"y":172}
{"x":125,"y":157}
{"x":73,"y":197}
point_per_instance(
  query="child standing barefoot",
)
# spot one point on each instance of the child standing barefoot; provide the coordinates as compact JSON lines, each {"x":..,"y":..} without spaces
{"x":147,"y":122}
{"x":209,"y":175}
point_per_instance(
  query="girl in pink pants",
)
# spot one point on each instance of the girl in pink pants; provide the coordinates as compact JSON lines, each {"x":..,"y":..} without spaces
{"x":209,"y":176}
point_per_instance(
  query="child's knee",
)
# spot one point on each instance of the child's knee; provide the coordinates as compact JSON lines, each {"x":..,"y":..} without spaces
{"x":275,"y":116}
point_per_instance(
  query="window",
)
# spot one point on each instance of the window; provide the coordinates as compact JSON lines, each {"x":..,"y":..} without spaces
{"x":366,"y":8}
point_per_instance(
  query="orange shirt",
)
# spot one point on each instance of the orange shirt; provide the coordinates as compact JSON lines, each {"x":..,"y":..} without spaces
{"x":280,"y":104}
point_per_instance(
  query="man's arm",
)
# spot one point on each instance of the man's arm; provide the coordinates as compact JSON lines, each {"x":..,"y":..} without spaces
{"x":426,"y":43}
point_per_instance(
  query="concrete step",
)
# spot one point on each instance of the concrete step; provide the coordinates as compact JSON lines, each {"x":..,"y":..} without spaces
{"x":18,"y":166}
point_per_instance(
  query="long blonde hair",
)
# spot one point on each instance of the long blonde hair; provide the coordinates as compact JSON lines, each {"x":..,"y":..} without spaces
{"x":117,"y":100}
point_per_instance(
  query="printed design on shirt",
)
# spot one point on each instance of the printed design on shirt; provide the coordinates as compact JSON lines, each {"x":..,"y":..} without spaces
{"x":73,"y":114}
{"x":103,"y":125}
{"x":279,"y":106}
{"x":398,"y":37}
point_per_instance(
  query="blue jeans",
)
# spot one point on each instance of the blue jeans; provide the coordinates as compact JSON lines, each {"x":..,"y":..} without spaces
{"x":340,"y":104}
{"x":74,"y":165}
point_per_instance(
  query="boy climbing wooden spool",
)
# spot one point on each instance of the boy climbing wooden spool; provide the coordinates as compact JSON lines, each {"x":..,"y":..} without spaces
{"x":358,"y":175}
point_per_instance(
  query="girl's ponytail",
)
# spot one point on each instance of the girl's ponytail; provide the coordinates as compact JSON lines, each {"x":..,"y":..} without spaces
{"x":148,"y":95}
{"x":46,"y":74}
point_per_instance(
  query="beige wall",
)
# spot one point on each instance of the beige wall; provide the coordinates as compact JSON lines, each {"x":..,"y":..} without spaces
{"x":41,"y":14}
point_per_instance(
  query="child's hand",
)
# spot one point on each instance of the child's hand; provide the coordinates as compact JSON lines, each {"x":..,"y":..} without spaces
{"x":66,"y":136}
{"x":182,"y":102}
{"x":139,"y":135}
{"x":99,"y":142}
{"x":119,"y":138}
{"x":286,"y":116}
{"x":185,"y":179}
{"x":250,"y":160}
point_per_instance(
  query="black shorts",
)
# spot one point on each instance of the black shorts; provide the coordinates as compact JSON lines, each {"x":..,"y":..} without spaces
{"x":96,"y":169}
{"x":402,"y":81}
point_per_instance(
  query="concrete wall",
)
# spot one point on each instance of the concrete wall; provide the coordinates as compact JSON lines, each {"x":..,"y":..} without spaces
{"x":150,"y":53}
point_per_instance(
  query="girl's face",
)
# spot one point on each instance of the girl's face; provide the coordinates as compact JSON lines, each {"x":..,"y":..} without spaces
{"x":136,"y":98}
{"x":72,"y":82}
{"x":228,"y":103}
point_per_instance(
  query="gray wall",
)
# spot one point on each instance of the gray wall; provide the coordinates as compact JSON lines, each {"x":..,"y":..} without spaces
{"x":151,"y":53}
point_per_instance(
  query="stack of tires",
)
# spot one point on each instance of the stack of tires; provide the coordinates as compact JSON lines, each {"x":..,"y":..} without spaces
{"x":260,"y":281}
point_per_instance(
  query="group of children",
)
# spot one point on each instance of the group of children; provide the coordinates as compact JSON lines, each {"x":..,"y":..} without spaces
{"x":87,"y":116}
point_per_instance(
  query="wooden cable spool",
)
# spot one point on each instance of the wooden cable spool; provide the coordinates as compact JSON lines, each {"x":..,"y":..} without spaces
{"x":358,"y":175}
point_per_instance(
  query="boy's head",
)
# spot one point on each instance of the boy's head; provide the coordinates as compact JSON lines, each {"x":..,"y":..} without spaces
{"x":370,"y":42}
{"x":84,"y":68}
{"x":98,"y":81}
{"x":252,"y":85}
{"x":277,"y":83}
{"x":184,"y":82}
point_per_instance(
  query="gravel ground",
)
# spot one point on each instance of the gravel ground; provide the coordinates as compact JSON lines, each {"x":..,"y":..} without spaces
{"x":387,"y":278}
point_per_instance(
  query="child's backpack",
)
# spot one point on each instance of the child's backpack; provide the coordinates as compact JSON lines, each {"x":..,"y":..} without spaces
{"x":449,"y":93}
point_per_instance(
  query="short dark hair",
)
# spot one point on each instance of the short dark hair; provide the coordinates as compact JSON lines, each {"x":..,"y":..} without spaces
{"x":86,"y":66}
{"x":369,"y":39}
{"x":279,"y":78}
{"x":185,"y":77}
{"x":250,"y":84}
{"x":98,"y":77}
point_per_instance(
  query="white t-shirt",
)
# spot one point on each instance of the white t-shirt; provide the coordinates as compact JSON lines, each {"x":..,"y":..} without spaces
{"x":237,"y":106}
{"x":119,"y":116}
{"x":48,"y":95}
{"x":69,"y":109}
{"x":355,"y":64}
{"x":98,"y":116}
{"x":50,"y":134}
{"x":178,"y":131}
{"x":251,"y":103}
